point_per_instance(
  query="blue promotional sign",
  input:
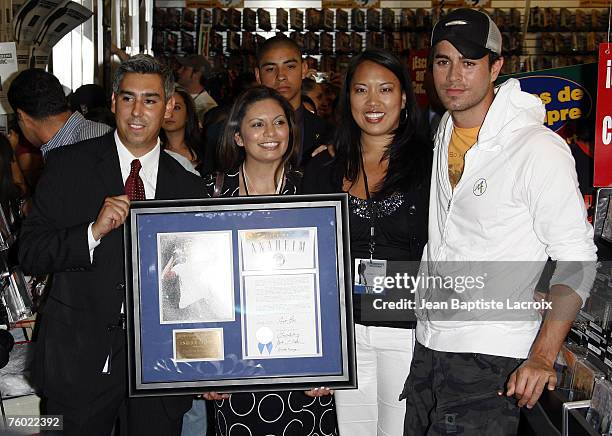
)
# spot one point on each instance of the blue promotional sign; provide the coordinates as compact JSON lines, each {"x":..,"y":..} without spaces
{"x":565,"y":99}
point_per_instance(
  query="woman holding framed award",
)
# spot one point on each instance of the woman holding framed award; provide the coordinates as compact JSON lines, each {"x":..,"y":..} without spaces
{"x":383,"y":162}
{"x":257,"y":155}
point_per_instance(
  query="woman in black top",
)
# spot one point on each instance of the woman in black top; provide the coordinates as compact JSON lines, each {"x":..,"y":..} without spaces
{"x":383,"y":162}
{"x":257,"y":155}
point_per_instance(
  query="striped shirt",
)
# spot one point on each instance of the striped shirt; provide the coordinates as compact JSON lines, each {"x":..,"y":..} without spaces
{"x":76,"y":129}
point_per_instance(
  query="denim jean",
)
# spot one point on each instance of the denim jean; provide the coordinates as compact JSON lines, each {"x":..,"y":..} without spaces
{"x":194,"y":420}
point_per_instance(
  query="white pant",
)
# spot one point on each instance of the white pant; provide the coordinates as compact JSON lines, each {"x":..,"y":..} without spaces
{"x":383,"y":362}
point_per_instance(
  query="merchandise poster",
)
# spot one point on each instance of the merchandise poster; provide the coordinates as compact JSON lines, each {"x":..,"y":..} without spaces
{"x":30,"y":18}
{"x":38,"y":26}
{"x":569,"y":94}
{"x":204,"y":39}
{"x":60,"y":23}
{"x":280,"y":297}
{"x":8,"y":69}
{"x":417,"y":65}
{"x":603,"y":119}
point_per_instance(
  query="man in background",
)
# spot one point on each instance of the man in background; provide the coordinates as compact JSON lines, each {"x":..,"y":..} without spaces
{"x":192,"y":75}
{"x":280,"y":66}
{"x":43,"y":113}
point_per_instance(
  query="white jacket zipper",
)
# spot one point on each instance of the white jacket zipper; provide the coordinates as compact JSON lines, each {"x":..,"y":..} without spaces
{"x":452,"y":195}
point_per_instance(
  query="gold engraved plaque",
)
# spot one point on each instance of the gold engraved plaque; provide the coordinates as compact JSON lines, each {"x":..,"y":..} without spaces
{"x":198,"y":345}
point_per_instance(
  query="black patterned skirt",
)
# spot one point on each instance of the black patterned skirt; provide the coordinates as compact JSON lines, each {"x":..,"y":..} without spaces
{"x":275,"y":414}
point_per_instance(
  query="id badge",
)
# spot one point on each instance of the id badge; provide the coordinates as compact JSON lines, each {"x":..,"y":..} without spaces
{"x":369,"y":276}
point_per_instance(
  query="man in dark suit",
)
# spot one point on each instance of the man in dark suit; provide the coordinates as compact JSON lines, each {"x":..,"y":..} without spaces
{"x":75,"y":232}
{"x":280,"y":66}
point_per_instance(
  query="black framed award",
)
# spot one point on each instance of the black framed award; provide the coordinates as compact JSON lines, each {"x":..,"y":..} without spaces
{"x":239,"y":294}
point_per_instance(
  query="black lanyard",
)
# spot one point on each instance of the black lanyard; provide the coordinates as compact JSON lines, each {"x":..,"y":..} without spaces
{"x":370,"y":206}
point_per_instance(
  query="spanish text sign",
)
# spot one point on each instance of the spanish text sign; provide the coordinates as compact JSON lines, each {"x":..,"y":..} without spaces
{"x":603,"y":119}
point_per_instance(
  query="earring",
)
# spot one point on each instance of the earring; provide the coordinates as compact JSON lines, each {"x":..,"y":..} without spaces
{"x":238,"y":140}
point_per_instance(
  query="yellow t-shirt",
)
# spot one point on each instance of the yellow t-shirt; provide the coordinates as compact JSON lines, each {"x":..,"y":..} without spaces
{"x":461,"y":141}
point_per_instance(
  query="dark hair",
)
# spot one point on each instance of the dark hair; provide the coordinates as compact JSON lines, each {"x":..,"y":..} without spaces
{"x":219,"y":87}
{"x":193,"y":136}
{"x":101,"y":115}
{"x":244,"y":81}
{"x":230,"y":155}
{"x":308,"y":85}
{"x":145,"y":64}
{"x":493,"y":57}
{"x":86,"y":98}
{"x":279,"y":40}
{"x":409,"y":151}
{"x":38,"y":93}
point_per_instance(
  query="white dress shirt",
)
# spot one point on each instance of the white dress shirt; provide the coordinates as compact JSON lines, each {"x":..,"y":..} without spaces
{"x":148,"y":174}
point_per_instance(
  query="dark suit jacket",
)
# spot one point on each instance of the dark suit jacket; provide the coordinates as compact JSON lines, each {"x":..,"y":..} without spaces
{"x":315,"y":132}
{"x":85,"y":300}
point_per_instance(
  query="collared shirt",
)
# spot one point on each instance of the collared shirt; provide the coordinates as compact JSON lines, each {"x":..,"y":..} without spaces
{"x":76,"y":129}
{"x":149,"y":162}
{"x":148,"y":174}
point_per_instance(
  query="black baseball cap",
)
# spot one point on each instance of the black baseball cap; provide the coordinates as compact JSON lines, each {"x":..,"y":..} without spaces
{"x":470,"y":31}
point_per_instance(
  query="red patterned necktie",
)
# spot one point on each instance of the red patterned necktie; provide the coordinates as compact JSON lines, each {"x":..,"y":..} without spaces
{"x":134,"y":188}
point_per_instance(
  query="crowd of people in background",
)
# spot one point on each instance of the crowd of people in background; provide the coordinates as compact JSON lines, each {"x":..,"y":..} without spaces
{"x":281,"y":129}
{"x":192,"y":132}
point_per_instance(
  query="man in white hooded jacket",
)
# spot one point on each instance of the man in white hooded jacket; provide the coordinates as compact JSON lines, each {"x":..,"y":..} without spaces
{"x":504,"y":198}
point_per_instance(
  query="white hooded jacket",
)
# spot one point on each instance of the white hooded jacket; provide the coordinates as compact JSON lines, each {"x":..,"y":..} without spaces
{"x":517,"y":201}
